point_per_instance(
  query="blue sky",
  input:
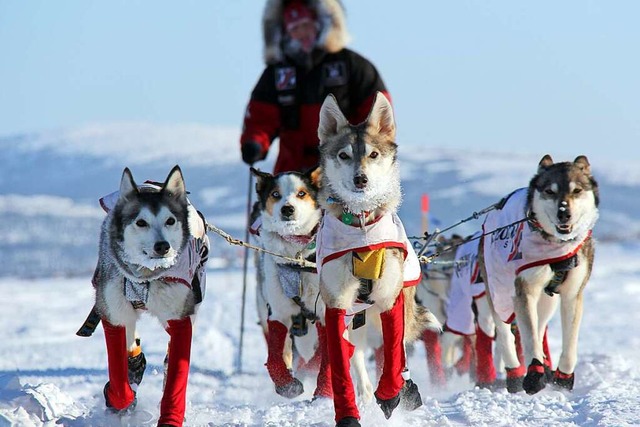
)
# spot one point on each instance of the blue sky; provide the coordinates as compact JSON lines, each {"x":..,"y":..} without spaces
{"x":558,"y":77}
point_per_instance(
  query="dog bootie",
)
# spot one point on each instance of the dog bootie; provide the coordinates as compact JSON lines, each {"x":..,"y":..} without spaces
{"x":117,"y":392}
{"x":388,"y":405}
{"x":562,"y":380}
{"x":136,"y":366}
{"x":173,"y":404}
{"x":514,"y":379}
{"x":118,"y":405}
{"x":410,"y":398}
{"x":535,"y":380}
{"x":348,"y":422}
{"x":291,"y":389}
{"x":286,"y":384}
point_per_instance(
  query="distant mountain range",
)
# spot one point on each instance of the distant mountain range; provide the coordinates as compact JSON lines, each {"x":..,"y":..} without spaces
{"x":51,"y":182}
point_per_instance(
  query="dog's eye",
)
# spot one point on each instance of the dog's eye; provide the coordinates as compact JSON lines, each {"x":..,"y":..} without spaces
{"x":275,"y":194}
{"x":549,"y":191}
{"x":343,"y":156}
{"x":373,"y":154}
{"x":577,"y":190}
{"x":141,"y":223}
{"x":301,"y":194}
{"x":171,"y":221}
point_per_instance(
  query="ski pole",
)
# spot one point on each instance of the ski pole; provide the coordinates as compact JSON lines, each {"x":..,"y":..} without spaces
{"x":244,"y":272}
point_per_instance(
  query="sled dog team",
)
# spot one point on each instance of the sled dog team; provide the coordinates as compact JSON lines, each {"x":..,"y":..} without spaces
{"x":534,"y":252}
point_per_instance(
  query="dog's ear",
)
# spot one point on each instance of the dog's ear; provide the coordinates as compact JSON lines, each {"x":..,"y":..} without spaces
{"x":331,"y":119}
{"x":583,"y":163}
{"x":174,"y":185}
{"x":261,"y":178}
{"x":128,"y":186}
{"x":545,"y":162}
{"x":315,"y":176}
{"x":380,"y":120}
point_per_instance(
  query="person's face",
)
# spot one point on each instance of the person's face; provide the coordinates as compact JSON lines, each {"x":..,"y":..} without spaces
{"x":305,"y":33}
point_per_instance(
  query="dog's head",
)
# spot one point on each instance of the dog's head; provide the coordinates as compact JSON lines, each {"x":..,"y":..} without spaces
{"x":150,"y":223}
{"x":288,"y":201}
{"x":359,"y":161}
{"x":564,"y":197}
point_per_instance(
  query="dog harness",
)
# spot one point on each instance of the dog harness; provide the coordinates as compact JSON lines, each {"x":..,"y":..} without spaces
{"x":335,"y":239}
{"x":188,"y":269}
{"x":517,"y":247}
{"x":466,"y":284}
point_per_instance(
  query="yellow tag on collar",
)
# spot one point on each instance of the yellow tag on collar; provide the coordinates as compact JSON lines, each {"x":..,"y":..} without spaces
{"x":368,"y":264}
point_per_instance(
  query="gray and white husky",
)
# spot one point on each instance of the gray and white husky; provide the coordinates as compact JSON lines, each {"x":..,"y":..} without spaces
{"x":368,"y":270}
{"x":529,"y":267}
{"x":153,"y":249}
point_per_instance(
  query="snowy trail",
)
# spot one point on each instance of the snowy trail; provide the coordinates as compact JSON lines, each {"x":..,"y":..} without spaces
{"x":49,"y":376}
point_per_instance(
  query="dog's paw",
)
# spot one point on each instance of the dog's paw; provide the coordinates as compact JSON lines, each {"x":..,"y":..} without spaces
{"x":410,"y":398}
{"x":388,"y":405}
{"x":136,"y":367}
{"x":118,"y":403}
{"x":348,"y":422}
{"x":514,"y":380}
{"x":291,"y":390}
{"x":536,"y":378}
{"x":563,"y":381}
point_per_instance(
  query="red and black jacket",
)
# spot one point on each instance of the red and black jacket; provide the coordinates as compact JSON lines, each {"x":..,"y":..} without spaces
{"x":286,"y":103}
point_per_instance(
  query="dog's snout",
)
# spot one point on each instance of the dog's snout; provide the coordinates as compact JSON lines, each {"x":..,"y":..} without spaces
{"x":564,"y":214}
{"x":360,"y":180}
{"x":287,"y":210}
{"x":162,"y":247}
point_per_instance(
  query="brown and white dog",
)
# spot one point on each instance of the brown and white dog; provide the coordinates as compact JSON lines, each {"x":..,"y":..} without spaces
{"x":367,"y":266}
{"x":530,"y":266}
{"x":288,"y":294}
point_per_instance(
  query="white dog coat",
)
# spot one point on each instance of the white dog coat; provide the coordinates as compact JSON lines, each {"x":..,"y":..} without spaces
{"x":511,"y":250}
{"x":335,"y":239}
{"x":186,"y":266}
{"x":463,"y":288}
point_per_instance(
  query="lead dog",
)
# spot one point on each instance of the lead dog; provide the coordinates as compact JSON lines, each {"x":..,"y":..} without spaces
{"x":363,"y":255}
{"x":153,"y":250}
{"x":527,"y":264}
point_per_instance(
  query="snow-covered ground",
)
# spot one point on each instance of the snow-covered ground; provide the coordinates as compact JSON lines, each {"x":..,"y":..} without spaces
{"x":49,"y":220}
{"x":49,"y":376}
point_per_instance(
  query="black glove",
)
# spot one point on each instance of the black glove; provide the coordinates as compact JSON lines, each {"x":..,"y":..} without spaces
{"x":251,"y":152}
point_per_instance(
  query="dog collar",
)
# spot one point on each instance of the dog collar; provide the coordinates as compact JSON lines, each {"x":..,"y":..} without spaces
{"x":303,"y":239}
{"x":347,"y":216}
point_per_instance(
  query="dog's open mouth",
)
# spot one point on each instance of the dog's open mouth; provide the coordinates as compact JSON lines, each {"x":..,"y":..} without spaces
{"x":564,"y":228}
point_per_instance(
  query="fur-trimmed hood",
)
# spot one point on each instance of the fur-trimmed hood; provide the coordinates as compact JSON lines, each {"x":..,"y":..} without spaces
{"x":332,"y":37}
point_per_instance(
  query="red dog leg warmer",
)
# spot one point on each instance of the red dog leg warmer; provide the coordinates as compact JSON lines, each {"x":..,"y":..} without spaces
{"x":323,"y":386}
{"x":278,"y":370}
{"x":173,"y":402}
{"x":485,"y":369}
{"x":119,"y":393}
{"x":391,"y":380}
{"x":340,"y":352}
{"x":434,"y":357}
